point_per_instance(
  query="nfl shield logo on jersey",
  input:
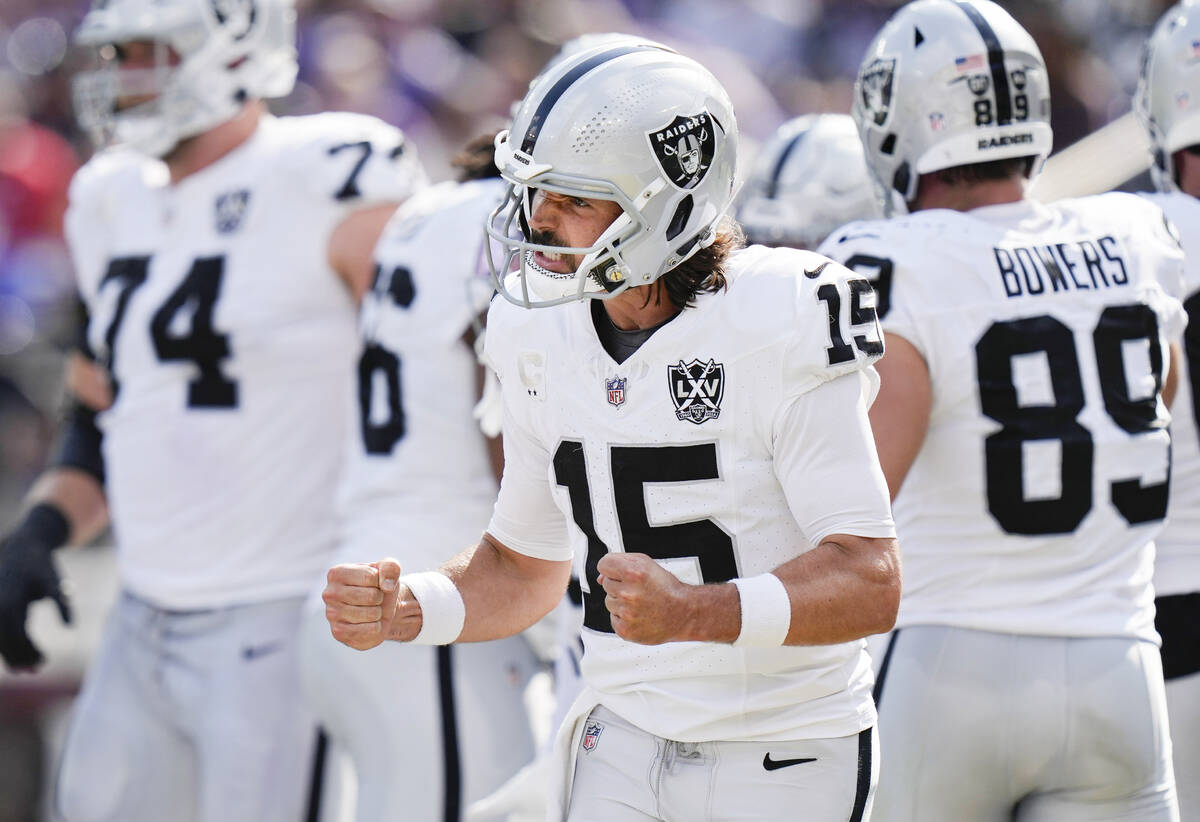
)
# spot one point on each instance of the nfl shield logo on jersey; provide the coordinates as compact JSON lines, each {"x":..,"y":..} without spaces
{"x":876,"y":85}
{"x":616,"y":391}
{"x":696,"y":389}
{"x":591,"y":735}
{"x":231,"y":208}
{"x":685,"y":148}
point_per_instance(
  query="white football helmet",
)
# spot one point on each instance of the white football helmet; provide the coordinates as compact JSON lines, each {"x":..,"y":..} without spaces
{"x":810,"y":178}
{"x":212,"y":55}
{"x":1168,"y":95}
{"x":948,"y":83}
{"x":634,"y":123}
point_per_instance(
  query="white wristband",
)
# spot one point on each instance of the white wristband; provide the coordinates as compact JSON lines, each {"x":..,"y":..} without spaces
{"x":766,"y":611}
{"x":443,"y":611}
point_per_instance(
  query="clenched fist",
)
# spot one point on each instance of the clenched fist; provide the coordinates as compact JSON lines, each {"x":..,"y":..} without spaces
{"x":365,"y":605}
{"x":648,"y":604}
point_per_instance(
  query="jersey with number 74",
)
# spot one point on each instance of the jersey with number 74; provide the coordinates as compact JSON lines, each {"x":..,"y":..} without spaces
{"x":1043,"y":478}
{"x":733,"y":440}
{"x":230,"y":342}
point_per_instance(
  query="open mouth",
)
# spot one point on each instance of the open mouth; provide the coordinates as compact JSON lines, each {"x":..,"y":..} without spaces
{"x":553,"y":265}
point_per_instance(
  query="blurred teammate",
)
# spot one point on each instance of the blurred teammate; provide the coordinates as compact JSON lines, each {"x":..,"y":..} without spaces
{"x":809,"y":178}
{"x":1023,"y":435}
{"x":428,"y":729}
{"x":1169,"y":104}
{"x":218,"y":250}
{"x":681,"y":430}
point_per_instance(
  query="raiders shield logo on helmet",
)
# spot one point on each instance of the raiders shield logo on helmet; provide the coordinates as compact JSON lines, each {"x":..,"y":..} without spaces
{"x":876,"y":84}
{"x":696,"y":389}
{"x":685,"y":148}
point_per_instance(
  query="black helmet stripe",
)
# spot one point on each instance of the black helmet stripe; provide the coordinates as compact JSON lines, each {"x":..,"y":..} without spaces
{"x":773,"y":182}
{"x":995,"y":55}
{"x":565,"y":82}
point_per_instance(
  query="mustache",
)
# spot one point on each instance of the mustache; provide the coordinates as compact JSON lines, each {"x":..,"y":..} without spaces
{"x":546,"y":238}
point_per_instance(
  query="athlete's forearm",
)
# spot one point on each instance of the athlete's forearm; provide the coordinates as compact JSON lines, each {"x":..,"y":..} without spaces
{"x":846,"y":588}
{"x":504,"y":591}
{"x":80,"y":498}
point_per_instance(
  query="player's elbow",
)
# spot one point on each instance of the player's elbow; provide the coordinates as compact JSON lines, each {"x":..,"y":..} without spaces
{"x":884,"y":582}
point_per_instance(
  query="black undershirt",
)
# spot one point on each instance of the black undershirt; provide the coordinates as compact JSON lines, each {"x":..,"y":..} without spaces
{"x":620,"y":344}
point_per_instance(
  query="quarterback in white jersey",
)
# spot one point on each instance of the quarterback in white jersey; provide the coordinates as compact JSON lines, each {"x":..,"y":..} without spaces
{"x":1168,"y":102}
{"x":1023,"y":432}
{"x":689,"y":432}
{"x":416,"y":455}
{"x":218,"y":250}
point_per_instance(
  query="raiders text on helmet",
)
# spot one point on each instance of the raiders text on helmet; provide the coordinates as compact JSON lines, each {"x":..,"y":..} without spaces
{"x":1168,"y":95}
{"x":227,"y":51}
{"x":632,"y":122}
{"x":948,"y":83}
{"x":809,"y":178}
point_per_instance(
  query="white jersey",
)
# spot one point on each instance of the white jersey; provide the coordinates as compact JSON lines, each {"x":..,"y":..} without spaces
{"x":1042,"y":480}
{"x":231,"y":345}
{"x":691,"y":452}
{"x":1177,"y":565}
{"x":418,"y":476}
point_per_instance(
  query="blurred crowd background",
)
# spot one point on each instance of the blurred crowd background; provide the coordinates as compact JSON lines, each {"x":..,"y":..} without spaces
{"x":443,"y":70}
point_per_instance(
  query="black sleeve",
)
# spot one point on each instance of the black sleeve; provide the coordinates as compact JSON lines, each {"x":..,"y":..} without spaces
{"x":79,"y":442}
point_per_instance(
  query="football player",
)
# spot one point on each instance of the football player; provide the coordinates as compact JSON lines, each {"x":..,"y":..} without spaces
{"x":1022,"y":430}
{"x":810,"y":178}
{"x":1168,"y":102}
{"x":419,"y":452}
{"x":219,"y":251}
{"x":686,"y":427}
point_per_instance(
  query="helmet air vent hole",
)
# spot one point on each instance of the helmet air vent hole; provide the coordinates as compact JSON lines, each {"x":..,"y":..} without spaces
{"x":900,"y":179}
{"x":682,"y":212}
{"x":889,"y":144}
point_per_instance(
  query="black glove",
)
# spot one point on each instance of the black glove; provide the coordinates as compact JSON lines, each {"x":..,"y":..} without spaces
{"x":27,"y":574}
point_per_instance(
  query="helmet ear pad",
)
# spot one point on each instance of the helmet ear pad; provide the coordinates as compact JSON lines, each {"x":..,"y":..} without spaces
{"x":949,"y":83}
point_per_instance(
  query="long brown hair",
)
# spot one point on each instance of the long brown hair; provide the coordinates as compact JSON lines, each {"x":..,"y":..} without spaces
{"x":704,"y":271}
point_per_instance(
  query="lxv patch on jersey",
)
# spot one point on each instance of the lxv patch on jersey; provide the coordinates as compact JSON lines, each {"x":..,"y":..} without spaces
{"x":697,"y":389}
{"x":231,"y":210}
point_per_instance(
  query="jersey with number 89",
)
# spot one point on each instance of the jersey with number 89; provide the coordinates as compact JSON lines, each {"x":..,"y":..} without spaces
{"x":230,"y":342}
{"x":702,"y":450}
{"x":1043,"y":478}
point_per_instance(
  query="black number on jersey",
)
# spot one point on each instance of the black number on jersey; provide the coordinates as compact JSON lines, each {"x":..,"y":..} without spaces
{"x":861,"y":316}
{"x":633,"y":468}
{"x":196,"y":297}
{"x":129,"y":273}
{"x":881,"y":281}
{"x":350,"y":189}
{"x":1004,"y":459}
{"x":381,"y":437}
{"x":1191,"y":351}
